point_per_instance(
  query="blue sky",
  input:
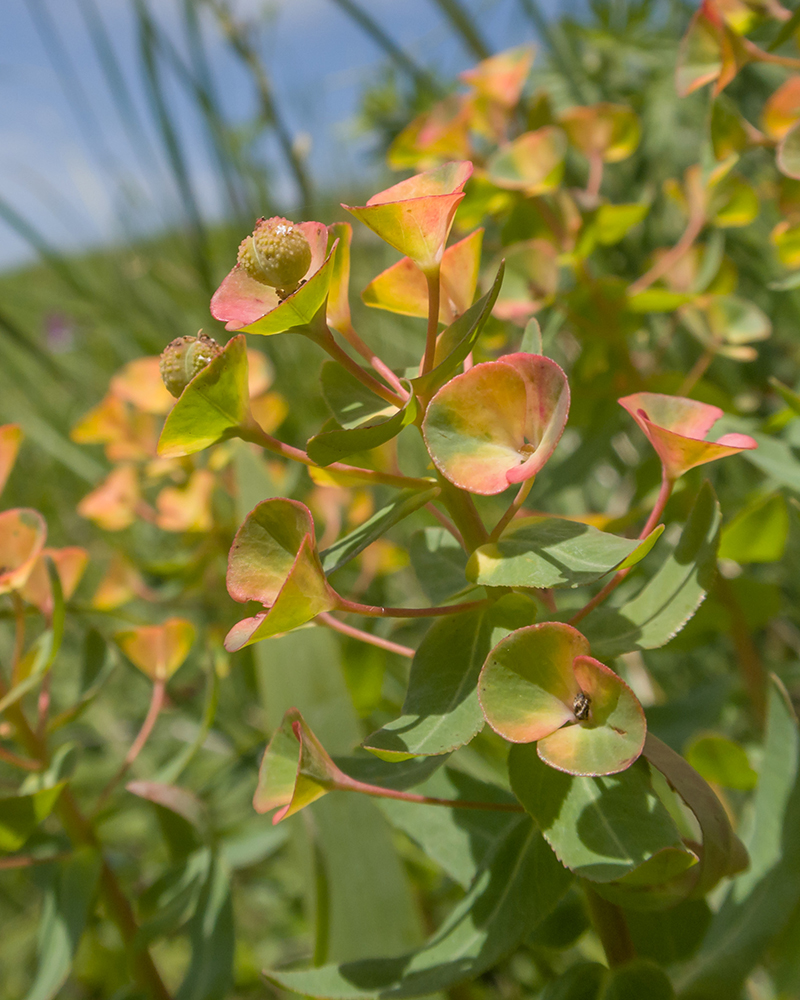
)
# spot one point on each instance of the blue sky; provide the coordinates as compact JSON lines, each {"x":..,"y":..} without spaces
{"x":67,"y":162}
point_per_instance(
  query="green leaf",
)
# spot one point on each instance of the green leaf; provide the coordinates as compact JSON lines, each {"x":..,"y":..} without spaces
{"x":347,"y":548}
{"x":520,"y":885}
{"x":21,"y":814}
{"x":788,"y":155}
{"x":613,"y":222}
{"x":658,"y":300}
{"x":458,"y":840}
{"x":789,"y":396}
{"x":758,"y":534}
{"x":178,"y":800}
{"x":722,"y":762}
{"x":66,"y":909}
{"x":441,"y":709}
{"x":661,"y":609}
{"x":636,"y":980}
{"x":722,"y":852}
{"x":301,"y":311}
{"x":602,"y":828}
{"x":214,"y":406}
{"x":671,"y":935}
{"x":350,"y":401}
{"x":554,"y":552}
{"x":439,"y":563}
{"x":455,"y":343}
{"x":761,"y":900}
{"x":539,"y":684}
{"x":333,"y":445}
{"x":212,"y":939}
{"x":778,"y":459}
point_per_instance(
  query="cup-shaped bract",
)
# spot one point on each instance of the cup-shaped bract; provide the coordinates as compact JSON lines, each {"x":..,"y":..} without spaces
{"x":415,"y":215}
{"x":610,"y":131}
{"x":498,"y":423}
{"x":677,"y":428}
{"x":274,"y":560}
{"x":158,"y":650}
{"x":242,"y":303}
{"x":10,"y":438}
{"x":533,"y":162}
{"x":501,"y":77}
{"x":402,"y":288}
{"x":295,"y":769}
{"x":70,"y":563}
{"x":22,"y":536}
{"x":540,"y":685}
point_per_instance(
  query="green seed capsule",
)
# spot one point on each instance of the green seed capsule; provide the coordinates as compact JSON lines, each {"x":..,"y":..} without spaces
{"x":276,"y":254}
{"x":182,"y":359}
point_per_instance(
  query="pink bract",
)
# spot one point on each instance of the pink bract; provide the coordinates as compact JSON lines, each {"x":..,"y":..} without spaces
{"x":677,"y":428}
{"x":241,"y":300}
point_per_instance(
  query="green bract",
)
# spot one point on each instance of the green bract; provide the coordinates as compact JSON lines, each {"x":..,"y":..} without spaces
{"x":498,"y":423}
{"x":540,"y":685}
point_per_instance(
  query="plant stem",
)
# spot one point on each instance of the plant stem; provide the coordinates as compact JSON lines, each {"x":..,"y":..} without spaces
{"x":153,"y":712}
{"x":595,"y":175}
{"x":19,"y":636}
{"x":23,"y":763}
{"x":697,"y":371}
{"x":513,"y":507}
{"x":661,"y":502}
{"x":609,"y":924}
{"x":349,"y":333}
{"x":445,"y":522}
{"x":432,"y":279}
{"x":356,"y":633}
{"x":255,"y":435}
{"x":754,"y":676}
{"x":671,"y":257}
{"x":464,"y":514}
{"x":82,"y":833}
{"x":327,"y":342}
{"x":376,"y":611}
{"x":351,"y":785}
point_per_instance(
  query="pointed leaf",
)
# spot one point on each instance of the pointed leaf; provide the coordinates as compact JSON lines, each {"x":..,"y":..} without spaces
{"x":519,"y":886}
{"x":668,"y":601}
{"x":212,"y":407}
{"x":554,"y":552}
{"x":333,"y":445}
{"x":21,"y":814}
{"x":212,"y":939}
{"x":178,"y":800}
{"x":441,"y":710}
{"x":498,"y":423}
{"x":602,"y":828}
{"x":158,"y":650}
{"x":439,"y":562}
{"x":347,"y":548}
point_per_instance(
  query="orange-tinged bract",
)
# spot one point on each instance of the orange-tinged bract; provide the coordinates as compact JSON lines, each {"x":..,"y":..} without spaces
{"x":415,"y":215}
{"x":677,"y":428}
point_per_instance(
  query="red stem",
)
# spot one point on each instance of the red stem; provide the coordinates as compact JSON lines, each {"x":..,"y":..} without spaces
{"x":328,"y":344}
{"x":375,"y":611}
{"x":253,"y":433}
{"x":595,"y":175}
{"x":433,"y":321}
{"x":349,"y":333}
{"x":445,"y":522}
{"x":663,"y":496}
{"x":513,"y":507}
{"x":356,"y":633}
{"x":153,"y":712}
{"x":348,"y":784}
{"x":663,"y":264}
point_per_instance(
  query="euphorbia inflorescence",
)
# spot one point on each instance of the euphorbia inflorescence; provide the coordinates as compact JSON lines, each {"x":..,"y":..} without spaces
{"x":276,"y":254}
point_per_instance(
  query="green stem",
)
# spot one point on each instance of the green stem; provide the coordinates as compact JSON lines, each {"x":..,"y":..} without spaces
{"x":513,"y":507}
{"x":432,"y":279}
{"x":610,"y":926}
{"x":464,"y":514}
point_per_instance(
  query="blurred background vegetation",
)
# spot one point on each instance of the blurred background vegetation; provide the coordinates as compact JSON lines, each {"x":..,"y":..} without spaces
{"x":190,"y":139}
